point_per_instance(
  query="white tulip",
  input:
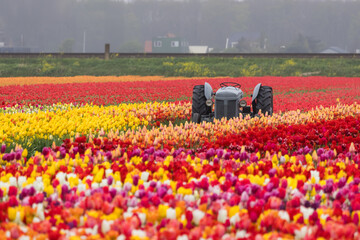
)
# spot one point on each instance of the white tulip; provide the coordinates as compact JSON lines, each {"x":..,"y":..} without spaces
{"x":171,"y":213}
{"x":197,"y":216}
{"x":222,"y":215}
{"x":145,"y":176}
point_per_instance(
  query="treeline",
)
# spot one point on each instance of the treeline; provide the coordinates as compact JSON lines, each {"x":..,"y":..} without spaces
{"x":78,"y":25}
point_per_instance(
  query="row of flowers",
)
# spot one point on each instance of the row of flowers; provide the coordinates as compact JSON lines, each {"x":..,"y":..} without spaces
{"x":78,"y":79}
{"x":27,"y":124}
{"x":143,"y":125}
{"x":64,"y":193}
{"x":291,"y":93}
{"x":195,"y":136}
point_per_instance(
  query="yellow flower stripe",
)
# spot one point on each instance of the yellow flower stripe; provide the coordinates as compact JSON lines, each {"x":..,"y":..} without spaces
{"x":20,"y":127}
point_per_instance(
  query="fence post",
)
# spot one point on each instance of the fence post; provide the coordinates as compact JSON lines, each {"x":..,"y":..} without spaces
{"x":107,"y":51}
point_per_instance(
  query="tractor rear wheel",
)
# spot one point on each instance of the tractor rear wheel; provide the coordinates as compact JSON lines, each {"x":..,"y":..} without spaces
{"x":199,"y":104}
{"x":264,"y":101}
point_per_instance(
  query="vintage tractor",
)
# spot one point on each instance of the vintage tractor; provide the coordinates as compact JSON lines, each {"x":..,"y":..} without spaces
{"x":228,"y":102}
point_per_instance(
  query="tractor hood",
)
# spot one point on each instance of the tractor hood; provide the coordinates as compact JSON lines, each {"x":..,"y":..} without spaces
{"x":229,"y":93}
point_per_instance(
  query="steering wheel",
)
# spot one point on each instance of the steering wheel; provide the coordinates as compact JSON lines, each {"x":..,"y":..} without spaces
{"x":230,"y":84}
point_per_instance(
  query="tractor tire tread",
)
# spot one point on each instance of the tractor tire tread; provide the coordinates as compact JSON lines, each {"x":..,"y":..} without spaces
{"x":199,"y":101}
{"x":265,"y":100}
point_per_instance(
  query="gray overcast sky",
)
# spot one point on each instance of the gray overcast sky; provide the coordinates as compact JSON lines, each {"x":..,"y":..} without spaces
{"x":247,"y":26}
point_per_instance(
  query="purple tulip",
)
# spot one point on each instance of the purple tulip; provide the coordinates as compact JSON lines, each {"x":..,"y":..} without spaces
{"x":320,"y":151}
{"x":307,"y":150}
{"x":254,"y":159}
{"x":45,"y":151}
{"x":112,"y":192}
{"x":110,"y":180}
{"x":151,"y":150}
{"x":145,"y":157}
{"x":210,"y":153}
{"x":135,"y":152}
{"x":219,"y":153}
{"x":254,"y":188}
{"x":75,"y":150}
{"x":236,"y":155}
{"x":342,"y":182}
{"x":108,"y":155}
{"x":135,"y":180}
{"x":331,"y":154}
{"x":269,"y":187}
{"x":64,"y":189}
{"x":153,"y":184}
{"x":141,"y":193}
{"x":328,"y":187}
{"x":267,"y":195}
{"x":32,"y":191}
{"x":228,"y":176}
{"x":244,"y":156}
{"x":161,"y":192}
{"x":11,"y":156}
{"x":3,"y":148}
{"x":227,"y":156}
{"x":272,"y":172}
{"x":18,"y":155}
{"x":356,"y":181}
{"x":25,"y":192}
{"x":214,"y":197}
{"x":5,"y":157}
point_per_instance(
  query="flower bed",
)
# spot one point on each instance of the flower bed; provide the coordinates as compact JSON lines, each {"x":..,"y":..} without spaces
{"x":78,"y":79}
{"x":141,"y":171}
{"x":291,"y":93}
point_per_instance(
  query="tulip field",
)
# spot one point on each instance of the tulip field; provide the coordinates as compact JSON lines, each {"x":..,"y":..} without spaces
{"x":117,"y":158}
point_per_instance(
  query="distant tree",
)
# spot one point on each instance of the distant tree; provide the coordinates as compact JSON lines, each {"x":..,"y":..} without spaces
{"x":252,"y":46}
{"x":67,"y":46}
{"x":131,"y":47}
{"x":316,"y":45}
{"x":299,"y":45}
{"x":243,"y":46}
{"x":305,"y":44}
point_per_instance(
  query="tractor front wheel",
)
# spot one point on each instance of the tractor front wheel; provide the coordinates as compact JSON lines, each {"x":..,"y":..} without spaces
{"x":199,"y":107}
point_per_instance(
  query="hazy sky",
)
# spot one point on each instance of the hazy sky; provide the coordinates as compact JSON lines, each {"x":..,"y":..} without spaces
{"x":258,"y":25}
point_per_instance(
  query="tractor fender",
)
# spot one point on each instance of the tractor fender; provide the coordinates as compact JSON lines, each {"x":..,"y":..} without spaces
{"x":256,"y":91}
{"x":207,"y":91}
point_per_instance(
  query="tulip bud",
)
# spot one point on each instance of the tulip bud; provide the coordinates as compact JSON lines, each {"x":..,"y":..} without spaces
{"x":5,"y":157}
{"x":314,"y":156}
{"x":18,"y":155}
{"x":3,"y":148}
{"x":108,"y":156}
{"x":352,"y":148}
{"x":45,"y":151}
{"x":11,"y":156}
